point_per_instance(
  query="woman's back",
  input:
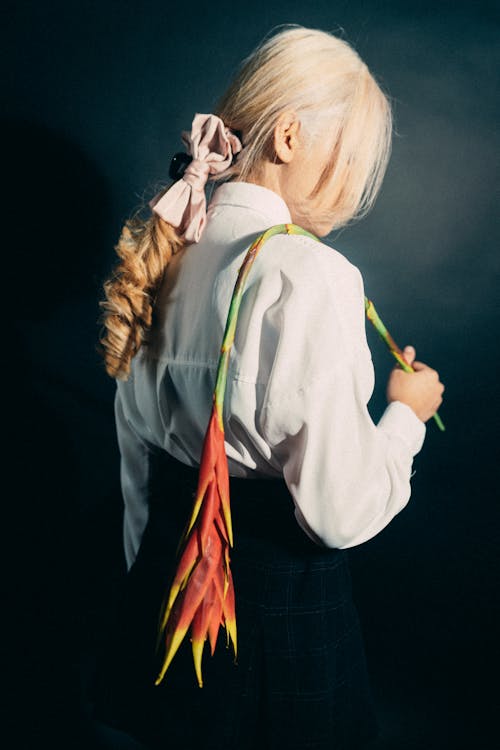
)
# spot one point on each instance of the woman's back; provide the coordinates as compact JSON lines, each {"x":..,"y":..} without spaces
{"x":301,"y":323}
{"x":302,"y":138}
{"x":293,"y":282}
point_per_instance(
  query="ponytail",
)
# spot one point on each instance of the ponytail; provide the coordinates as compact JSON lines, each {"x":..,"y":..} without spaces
{"x":145,"y":248}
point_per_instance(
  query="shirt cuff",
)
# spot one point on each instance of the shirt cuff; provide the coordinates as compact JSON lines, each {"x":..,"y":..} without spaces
{"x":399,"y":419}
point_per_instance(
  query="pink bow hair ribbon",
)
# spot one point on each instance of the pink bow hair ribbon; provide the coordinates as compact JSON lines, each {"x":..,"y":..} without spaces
{"x":184,"y":204}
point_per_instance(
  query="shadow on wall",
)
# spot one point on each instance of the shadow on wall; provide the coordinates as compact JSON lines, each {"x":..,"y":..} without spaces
{"x":57,"y":207}
{"x":57,"y":204}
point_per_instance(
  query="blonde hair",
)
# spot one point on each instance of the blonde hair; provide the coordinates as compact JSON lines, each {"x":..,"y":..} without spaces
{"x":326,"y":83}
{"x":330,"y":88}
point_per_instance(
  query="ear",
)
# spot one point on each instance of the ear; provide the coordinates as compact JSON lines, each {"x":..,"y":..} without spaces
{"x":286,"y":136}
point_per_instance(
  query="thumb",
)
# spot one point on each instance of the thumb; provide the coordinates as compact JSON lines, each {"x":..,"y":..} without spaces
{"x":409,"y":354}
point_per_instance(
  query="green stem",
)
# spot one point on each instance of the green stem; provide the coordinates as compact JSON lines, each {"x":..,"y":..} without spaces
{"x":234,"y":306}
{"x":228,"y":339}
{"x":394,"y":349}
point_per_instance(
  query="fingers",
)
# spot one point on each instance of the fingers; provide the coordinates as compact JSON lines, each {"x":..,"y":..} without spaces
{"x":437,"y":403}
{"x":430,"y":374}
{"x":409,"y":354}
{"x":420,"y":366}
{"x":422,"y":391}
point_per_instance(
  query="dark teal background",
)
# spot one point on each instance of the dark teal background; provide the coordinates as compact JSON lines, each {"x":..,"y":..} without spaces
{"x":95,"y":98}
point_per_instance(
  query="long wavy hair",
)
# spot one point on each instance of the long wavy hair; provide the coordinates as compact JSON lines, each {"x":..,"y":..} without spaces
{"x":327,"y":84}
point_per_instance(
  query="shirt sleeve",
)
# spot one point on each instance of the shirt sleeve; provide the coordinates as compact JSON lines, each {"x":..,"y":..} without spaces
{"x":135,"y":455}
{"x":347,"y":475}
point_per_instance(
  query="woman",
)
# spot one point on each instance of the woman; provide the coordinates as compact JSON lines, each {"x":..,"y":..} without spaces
{"x":303,"y":136}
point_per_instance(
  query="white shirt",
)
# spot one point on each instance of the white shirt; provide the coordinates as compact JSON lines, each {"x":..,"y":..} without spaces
{"x":299,"y":380}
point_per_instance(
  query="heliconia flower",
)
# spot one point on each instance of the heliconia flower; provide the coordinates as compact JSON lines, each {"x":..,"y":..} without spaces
{"x":201,"y":597}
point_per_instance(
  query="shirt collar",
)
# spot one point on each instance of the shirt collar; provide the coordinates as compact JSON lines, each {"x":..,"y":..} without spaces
{"x":257,"y":197}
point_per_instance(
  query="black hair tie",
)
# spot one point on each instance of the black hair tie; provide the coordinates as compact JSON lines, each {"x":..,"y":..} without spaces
{"x":178,"y":165}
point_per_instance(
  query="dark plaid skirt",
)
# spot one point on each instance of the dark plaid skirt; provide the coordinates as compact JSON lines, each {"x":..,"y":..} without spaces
{"x":300,"y":681}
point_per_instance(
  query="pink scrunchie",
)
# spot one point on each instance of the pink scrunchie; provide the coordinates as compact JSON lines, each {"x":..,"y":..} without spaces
{"x":212,"y":147}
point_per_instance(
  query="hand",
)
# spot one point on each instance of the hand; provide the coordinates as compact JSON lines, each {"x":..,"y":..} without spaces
{"x":421,"y":390}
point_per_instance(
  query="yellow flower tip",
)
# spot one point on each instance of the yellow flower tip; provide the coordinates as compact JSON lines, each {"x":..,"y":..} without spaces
{"x":226,"y":512}
{"x":197,"y":645}
{"x":172,"y":597}
{"x":231,"y":635}
{"x":171,"y":651}
{"x":196,"y":509}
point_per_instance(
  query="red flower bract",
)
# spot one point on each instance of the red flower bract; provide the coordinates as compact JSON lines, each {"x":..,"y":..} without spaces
{"x":202,"y":594}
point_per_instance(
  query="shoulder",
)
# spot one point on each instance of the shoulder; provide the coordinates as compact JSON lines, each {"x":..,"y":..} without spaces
{"x":313,"y":268}
{"x":307,"y":254}
{"x":317,"y":313}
